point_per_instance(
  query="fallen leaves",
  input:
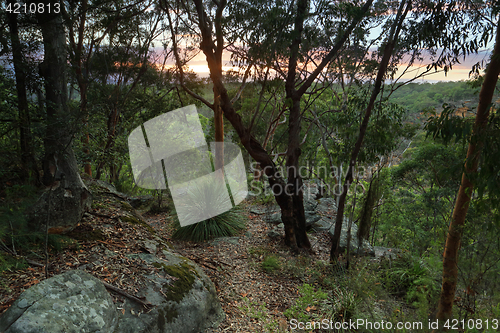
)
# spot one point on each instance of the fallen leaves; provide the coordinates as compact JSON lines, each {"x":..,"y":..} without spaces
{"x":107,"y":259}
{"x":230,"y":266}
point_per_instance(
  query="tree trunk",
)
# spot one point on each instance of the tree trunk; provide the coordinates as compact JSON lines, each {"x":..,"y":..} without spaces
{"x":27,"y":156}
{"x":82,"y":80}
{"x":293,"y":215}
{"x":113,"y":119}
{"x":69,"y":196}
{"x":393,"y":36}
{"x":218,"y":113}
{"x":288,"y":196}
{"x":450,"y":256}
{"x":87,"y":167}
{"x":219,"y":130}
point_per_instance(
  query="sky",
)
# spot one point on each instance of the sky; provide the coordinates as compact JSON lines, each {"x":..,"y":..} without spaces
{"x":459,"y":72}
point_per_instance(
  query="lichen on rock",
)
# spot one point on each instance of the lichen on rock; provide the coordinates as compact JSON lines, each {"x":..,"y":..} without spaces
{"x":74,"y":301}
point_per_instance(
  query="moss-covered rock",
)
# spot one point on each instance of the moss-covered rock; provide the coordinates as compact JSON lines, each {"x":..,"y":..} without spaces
{"x":185,"y":276}
{"x":184,"y":298}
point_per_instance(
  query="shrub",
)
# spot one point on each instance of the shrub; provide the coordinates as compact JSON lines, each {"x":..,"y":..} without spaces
{"x":261,"y":192}
{"x":271,"y":263}
{"x":258,"y":251}
{"x":343,"y":305}
{"x":308,"y":301}
{"x":15,"y":235}
{"x":412,"y":279}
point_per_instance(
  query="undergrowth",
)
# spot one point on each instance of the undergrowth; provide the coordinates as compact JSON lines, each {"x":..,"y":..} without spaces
{"x":17,"y":238}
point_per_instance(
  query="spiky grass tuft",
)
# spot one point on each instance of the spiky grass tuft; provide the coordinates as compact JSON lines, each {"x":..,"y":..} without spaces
{"x":226,"y":224}
{"x":209,"y":196}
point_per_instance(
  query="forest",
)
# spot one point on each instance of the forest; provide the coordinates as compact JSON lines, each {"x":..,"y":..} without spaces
{"x":372,"y":190}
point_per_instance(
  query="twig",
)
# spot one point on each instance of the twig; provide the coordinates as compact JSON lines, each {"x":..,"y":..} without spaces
{"x":34,"y":263}
{"x":201,"y":262}
{"x":207,"y":265}
{"x":204,"y":262}
{"x":47,"y":235}
{"x":101,"y":215}
{"x":113,"y":244}
{"x":117,"y":290}
{"x":29,"y":261}
{"x":221,"y":262}
{"x":12,"y":238}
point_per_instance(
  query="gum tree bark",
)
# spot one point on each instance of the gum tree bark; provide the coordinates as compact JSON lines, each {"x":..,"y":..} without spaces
{"x":450,"y":256}
{"x":69,"y":197}
{"x":218,"y":113}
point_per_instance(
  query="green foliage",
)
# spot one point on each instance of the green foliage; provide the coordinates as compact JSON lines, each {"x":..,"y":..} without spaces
{"x":419,"y":197}
{"x":303,"y":267}
{"x":344,"y":305}
{"x":271,"y":263}
{"x":448,"y":126}
{"x":125,"y":182}
{"x":253,"y":309}
{"x":8,"y":263}
{"x":309,"y":299}
{"x":11,"y":168}
{"x":261,"y":193}
{"x":259,"y":312}
{"x":256,"y":252}
{"x":15,"y":234}
{"x":384,"y":130}
{"x":415,"y":216}
{"x":416,"y":97}
{"x":411,"y":278}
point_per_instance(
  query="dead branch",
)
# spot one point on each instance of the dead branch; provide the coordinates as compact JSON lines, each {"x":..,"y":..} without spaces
{"x":146,"y":306}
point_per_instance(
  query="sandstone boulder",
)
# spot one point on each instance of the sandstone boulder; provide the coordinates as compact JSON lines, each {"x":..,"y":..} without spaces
{"x":74,"y":301}
{"x":365,"y":249}
{"x":183,"y":299}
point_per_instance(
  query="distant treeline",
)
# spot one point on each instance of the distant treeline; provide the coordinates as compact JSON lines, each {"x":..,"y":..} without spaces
{"x":416,"y":97}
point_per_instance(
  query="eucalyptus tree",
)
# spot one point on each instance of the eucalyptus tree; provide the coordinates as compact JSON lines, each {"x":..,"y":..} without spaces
{"x":299,"y":42}
{"x":485,"y":124}
{"x":126,"y":90}
{"x":292,"y":21}
{"x":21,"y":46}
{"x":93,"y":25}
{"x":439,"y":34}
{"x":66,"y":197}
{"x":20,"y":69}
